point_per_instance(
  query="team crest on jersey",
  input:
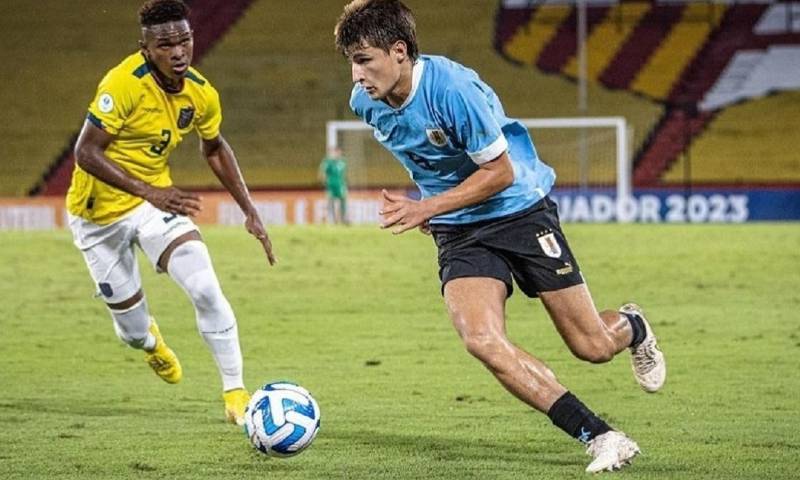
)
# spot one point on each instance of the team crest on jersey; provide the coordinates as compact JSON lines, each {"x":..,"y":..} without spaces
{"x":549,"y":244}
{"x":436,"y":136}
{"x":185,"y":117}
{"x":105,"y":103}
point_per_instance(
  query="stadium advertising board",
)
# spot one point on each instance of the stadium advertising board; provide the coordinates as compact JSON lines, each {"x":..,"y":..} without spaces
{"x":310,"y":207}
{"x":680,"y":206}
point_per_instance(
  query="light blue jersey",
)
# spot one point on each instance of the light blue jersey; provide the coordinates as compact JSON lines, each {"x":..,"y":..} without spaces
{"x":450,"y":123}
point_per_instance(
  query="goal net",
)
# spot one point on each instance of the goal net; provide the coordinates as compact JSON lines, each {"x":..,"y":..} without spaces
{"x":589,"y":154}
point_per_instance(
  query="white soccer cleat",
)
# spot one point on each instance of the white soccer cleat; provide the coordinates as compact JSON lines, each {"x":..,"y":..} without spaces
{"x":649,"y":366}
{"x":611,"y":451}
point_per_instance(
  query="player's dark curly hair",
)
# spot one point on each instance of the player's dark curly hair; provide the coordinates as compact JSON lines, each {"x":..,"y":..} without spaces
{"x":378,"y":23}
{"x":156,"y":12}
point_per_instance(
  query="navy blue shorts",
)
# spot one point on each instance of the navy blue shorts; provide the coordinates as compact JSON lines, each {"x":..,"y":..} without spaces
{"x":527,"y":246}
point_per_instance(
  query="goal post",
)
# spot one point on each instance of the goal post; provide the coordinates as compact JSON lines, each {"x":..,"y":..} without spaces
{"x":589,"y":154}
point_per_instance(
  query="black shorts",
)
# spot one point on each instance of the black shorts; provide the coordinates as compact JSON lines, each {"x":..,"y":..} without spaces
{"x":528,"y":246}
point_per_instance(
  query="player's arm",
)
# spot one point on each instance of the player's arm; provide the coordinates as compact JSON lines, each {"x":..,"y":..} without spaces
{"x":90,"y":156}
{"x":467,"y":110}
{"x":405,"y":213}
{"x":222,"y":161}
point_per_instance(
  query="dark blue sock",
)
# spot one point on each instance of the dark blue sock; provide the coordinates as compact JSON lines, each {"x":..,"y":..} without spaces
{"x":571,"y":415}
{"x":637,"y":325}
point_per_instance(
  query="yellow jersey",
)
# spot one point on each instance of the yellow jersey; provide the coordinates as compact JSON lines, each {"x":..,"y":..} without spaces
{"x":147,"y":124}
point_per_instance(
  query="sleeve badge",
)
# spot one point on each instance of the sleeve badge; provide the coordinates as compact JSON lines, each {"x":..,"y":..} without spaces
{"x":105,"y":103}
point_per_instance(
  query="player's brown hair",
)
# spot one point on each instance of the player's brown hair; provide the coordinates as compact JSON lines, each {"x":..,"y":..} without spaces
{"x":156,"y":12}
{"x":377,"y":23}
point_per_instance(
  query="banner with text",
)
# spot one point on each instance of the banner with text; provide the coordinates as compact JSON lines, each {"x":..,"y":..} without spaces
{"x":311,"y":207}
{"x":700,"y":205}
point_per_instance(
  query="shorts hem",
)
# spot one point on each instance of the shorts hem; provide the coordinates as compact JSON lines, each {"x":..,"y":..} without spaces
{"x":156,"y":267}
{"x":509,"y":285}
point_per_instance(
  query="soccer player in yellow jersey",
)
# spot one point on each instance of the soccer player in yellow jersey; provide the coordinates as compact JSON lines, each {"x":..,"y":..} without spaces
{"x":122,"y":195}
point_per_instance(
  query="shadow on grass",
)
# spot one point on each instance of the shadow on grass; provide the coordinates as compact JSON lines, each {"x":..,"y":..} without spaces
{"x":374,"y":454}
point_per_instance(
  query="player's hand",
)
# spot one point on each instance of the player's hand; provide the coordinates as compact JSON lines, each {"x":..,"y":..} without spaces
{"x":425,"y":227}
{"x":174,"y":200}
{"x":402,"y":213}
{"x":256,"y":228}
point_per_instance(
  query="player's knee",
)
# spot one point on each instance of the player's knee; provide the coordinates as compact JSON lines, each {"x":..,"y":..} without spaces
{"x":190,"y":266}
{"x":483,"y":345}
{"x":204,"y":290}
{"x":201,"y":290}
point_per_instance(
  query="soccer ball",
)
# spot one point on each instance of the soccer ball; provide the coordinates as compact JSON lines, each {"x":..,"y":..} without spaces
{"x":281,"y":419}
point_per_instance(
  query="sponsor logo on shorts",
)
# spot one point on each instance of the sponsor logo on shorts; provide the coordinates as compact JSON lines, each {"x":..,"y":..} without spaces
{"x":566,"y":270}
{"x":550,"y":247}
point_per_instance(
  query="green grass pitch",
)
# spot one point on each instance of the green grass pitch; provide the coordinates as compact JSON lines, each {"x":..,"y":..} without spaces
{"x":355,"y":316}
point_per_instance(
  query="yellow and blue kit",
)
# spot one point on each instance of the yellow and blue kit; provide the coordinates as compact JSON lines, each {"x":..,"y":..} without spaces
{"x":147,"y":124}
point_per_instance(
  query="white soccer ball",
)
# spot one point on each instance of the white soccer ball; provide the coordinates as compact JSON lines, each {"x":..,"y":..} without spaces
{"x":281,"y":419}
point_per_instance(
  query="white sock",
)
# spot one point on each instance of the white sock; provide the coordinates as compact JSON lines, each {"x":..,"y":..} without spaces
{"x":190,"y":266}
{"x":133,"y":326}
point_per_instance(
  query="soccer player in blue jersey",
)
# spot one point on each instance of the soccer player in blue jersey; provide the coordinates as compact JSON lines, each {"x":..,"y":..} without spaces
{"x":484,"y":199}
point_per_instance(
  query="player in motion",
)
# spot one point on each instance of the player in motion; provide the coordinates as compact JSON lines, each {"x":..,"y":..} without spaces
{"x":485,"y":200}
{"x":122,"y":195}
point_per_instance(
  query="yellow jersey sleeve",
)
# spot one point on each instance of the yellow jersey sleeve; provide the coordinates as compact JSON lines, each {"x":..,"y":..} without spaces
{"x":208,"y":125}
{"x":114,"y":101}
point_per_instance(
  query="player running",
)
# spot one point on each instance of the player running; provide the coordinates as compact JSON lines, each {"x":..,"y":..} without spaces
{"x":484,"y":198}
{"x":122,"y":195}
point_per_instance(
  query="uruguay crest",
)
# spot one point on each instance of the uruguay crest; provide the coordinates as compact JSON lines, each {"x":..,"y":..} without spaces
{"x":549,"y":245}
{"x":185,"y":117}
{"x":436,"y":136}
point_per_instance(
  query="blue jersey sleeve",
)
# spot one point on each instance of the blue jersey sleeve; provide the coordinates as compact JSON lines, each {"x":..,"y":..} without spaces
{"x":473,"y":122}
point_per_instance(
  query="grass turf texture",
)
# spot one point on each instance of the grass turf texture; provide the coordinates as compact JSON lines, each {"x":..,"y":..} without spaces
{"x":355,"y":316}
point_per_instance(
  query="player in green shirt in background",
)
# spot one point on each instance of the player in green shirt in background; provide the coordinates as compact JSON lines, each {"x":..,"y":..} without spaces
{"x":333,"y":173}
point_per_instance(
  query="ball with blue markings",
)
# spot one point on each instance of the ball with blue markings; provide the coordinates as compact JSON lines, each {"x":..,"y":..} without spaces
{"x":282,"y":419}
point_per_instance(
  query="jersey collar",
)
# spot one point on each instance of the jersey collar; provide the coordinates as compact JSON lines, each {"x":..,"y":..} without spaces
{"x":155,"y":74}
{"x":416,"y":77}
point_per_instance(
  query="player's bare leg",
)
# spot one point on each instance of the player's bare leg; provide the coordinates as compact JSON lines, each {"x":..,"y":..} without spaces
{"x":598,"y":337}
{"x":477,"y":308}
{"x":591,"y":336}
